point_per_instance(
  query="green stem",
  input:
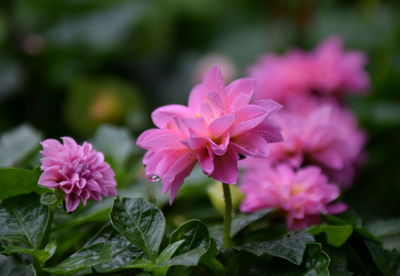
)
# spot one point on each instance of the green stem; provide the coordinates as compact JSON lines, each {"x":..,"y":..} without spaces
{"x":228,"y":215}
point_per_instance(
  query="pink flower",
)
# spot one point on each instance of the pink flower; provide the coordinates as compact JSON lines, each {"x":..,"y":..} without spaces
{"x":337,"y":71}
{"x":215,"y":128}
{"x":328,"y":70}
{"x":79,"y":171}
{"x":321,"y":134}
{"x":282,"y":77}
{"x":302,"y":195}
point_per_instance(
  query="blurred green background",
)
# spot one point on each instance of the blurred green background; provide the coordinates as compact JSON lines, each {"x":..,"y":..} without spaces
{"x":68,"y":66}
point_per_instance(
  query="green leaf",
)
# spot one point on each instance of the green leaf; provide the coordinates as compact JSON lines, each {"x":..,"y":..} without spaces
{"x":291,"y":247}
{"x":196,"y":243}
{"x":168,"y":252}
{"x":15,"y":181}
{"x":114,"y":142}
{"x":122,"y":251}
{"x":242,"y":220}
{"x":387,"y":261}
{"x":316,"y":261}
{"x":42,"y":255}
{"x":142,"y":223}
{"x":83,"y":259}
{"x":23,"y":219}
{"x":10,"y":267}
{"x":336,"y":235}
{"x":17,"y":144}
{"x":384,"y":228}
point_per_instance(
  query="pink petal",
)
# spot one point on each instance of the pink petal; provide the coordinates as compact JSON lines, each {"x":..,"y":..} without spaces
{"x":195,"y":125}
{"x":248,"y":118}
{"x":177,"y":172}
{"x":269,"y":106}
{"x":165,"y":114}
{"x":251,"y":144}
{"x":213,"y":81}
{"x":71,"y":203}
{"x":269,"y":130}
{"x":240,"y":92}
{"x":220,"y":125}
{"x":336,"y":208}
{"x":206,"y":160}
{"x":225,"y":167}
{"x":222,"y":147}
{"x":160,"y":139}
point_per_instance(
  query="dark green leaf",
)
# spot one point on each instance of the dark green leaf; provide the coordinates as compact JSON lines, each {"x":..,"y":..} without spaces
{"x":83,"y":259}
{"x":15,"y":181}
{"x":242,"y":220}
{"x":142,"y":223}
{"x":42,"y":255}
{"x":387,"y":261}
{"x":10,"y":267}
{"x":291,"y":247}
{"x":168,"y":252}
{"x":23,"y":219}
{"x":17,"y":144}
{"x":336,"y":235}
{"x":384,"y":228}
{"x":122,"y":251}
{"x":196,"y":243}
{"x":316,"y":261}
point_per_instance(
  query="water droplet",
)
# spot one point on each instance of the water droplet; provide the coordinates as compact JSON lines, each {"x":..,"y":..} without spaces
{"x":154,"y":178}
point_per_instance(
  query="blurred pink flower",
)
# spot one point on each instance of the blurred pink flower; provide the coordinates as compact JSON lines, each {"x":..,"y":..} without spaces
{"x":282,"y":77}
{"x":302,"y":195}
{"x":215,"y":128}
{"x":328,"y":70}
{"x":78,"y":170}
{"x":337,"y":71}
{"x":322,"y":134}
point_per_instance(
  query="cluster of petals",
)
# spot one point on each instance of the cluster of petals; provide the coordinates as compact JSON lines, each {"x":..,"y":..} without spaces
{"x":78,"y":171}
{"x":327,"y":70}
{"x":323,"y":134}
{"x":301,"y":194}
{"x":218,"y":125}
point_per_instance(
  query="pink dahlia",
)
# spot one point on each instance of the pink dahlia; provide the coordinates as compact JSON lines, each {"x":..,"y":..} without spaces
{"x":216,"y":127}
{"x":321,"y":134}
{"x":78,"y":170}
{"x":282,"y":77}
{"x":336,"y":71}
{"x":302,"y":195}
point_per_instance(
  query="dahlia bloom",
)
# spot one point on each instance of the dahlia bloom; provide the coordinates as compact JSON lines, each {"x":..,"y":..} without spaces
{"x":336,"y":71}
{"x":327,"y":70}
{"x":321,"y":134}
{"x":282,"y":77}
{"x":78,"y":170}
{"x":215,"y":128}
{"x":302,"y":195}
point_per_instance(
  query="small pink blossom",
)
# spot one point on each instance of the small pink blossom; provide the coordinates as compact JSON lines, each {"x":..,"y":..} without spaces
{"x":321,"y":134}
{"x":215,"y":128}
{"x":282,"y":77}
{"x":336,"y":71}
{"x":302,"y":195}
{"x":78,"y":170}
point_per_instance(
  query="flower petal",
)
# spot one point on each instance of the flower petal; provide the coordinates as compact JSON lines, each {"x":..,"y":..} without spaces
{"x":251,"y":144}
{"x":225,"y":167}
{"x":165,"y":114}
{"x":220,"y":125}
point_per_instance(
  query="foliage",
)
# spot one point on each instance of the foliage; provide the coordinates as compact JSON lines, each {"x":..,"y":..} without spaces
{"x":93,"y":69}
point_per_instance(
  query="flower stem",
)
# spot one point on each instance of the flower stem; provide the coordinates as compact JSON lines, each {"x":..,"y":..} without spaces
{"x":228,"y":215}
